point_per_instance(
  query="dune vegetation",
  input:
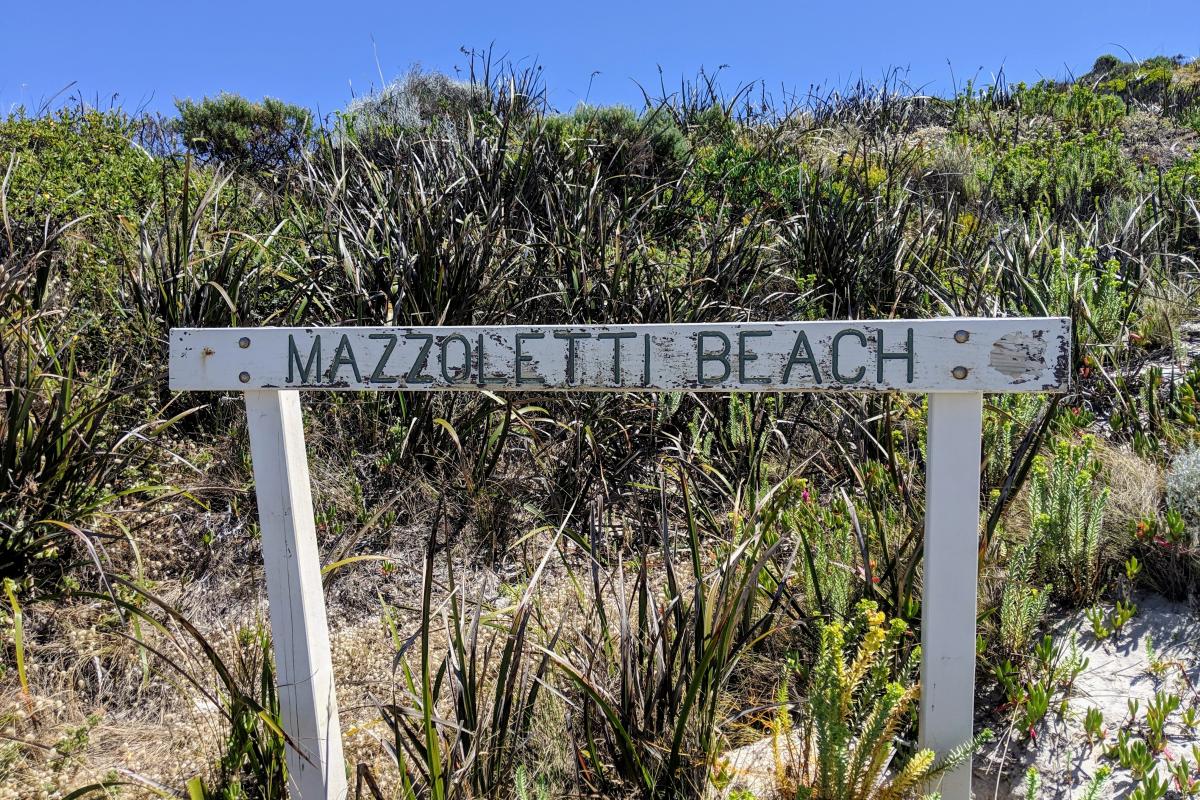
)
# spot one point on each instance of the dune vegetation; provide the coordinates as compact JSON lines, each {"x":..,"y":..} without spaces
{"x":585,"y":595}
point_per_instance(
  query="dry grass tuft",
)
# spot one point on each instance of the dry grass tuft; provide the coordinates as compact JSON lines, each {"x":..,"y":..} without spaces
{"x":1135,"y":492}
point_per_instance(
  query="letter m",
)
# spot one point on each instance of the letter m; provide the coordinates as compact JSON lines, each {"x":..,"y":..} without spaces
{"x":307,"y":372}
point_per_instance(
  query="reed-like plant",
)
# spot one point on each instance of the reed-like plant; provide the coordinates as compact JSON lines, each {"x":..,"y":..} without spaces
{"x":62,"y":459}
{"x":657,"y":655}
{"x":252,"y":762}
{"x":460,"y":717}
{"x":189,"y":265}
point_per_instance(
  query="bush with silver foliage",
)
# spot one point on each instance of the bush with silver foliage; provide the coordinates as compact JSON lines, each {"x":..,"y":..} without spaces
{"x":1183,"y":489}
{"x":415,"y":102}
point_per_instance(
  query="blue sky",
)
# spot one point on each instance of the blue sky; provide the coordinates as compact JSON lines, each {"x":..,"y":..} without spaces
{"x":320,"y":54}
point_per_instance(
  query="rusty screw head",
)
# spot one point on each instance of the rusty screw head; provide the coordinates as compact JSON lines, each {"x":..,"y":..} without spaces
{"x":244,"y":377}
{"x":244,"y":342}
{"x":961,"y":336}
{"x":958,"y":372}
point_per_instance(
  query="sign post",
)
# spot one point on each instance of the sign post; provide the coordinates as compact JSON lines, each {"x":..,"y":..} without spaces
{"x":951,"y":566}
{"x":955,"y":361}
{"x":299,"y":632}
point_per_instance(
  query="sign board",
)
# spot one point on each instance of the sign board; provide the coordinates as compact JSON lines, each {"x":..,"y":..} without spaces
{"x":954,"y":361}
{"x":957,"y":355}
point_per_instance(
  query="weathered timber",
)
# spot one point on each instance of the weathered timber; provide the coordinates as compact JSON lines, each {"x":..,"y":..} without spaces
{"x":935,"y":355}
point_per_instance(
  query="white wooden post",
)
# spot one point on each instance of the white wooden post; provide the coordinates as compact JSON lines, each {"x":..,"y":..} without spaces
{"x":951,"y":564}
{"x":303,"y":663}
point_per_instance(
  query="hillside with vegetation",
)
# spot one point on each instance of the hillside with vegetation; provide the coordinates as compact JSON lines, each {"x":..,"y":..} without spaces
{"x":589,"y":595}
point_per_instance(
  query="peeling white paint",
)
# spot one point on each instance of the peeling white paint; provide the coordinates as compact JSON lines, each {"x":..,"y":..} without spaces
{"x":947,"y":355}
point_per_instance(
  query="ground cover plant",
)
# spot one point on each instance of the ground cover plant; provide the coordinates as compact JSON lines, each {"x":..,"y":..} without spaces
{"x":584,"y":595}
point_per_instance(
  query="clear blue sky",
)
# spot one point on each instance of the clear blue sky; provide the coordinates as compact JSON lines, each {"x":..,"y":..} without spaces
{"x":319,"y":53}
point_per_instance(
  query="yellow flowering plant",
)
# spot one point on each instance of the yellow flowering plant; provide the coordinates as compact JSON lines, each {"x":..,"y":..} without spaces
{"x":856,"y":705}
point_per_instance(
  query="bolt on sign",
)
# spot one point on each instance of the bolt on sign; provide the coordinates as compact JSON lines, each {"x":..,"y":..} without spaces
{"x":953,"y":360}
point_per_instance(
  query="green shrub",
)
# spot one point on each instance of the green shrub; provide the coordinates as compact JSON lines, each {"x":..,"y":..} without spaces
{"x":1184,"y":175}
{"x":1096,"y":295}
{"x":621,"y":143}
{"x":1067,"y":499}
{"x":1179,"y":192}
{"x":76,"y":162}
{"x":1168,"y":82}
{"x":1022,"y":601}
{"x":67,"y":179}
{"x":856,"y":705}
{"x":1063,"y":174}
{"x":249,"y":136}
{"x":1169,"y":543}
{"x":1007,"y":420}
{"x":1077,"y":108}
{"x":827,"y":574}
{"x":417,"y":102}
{"x":747,"y":176}
{"x":70,"y":185}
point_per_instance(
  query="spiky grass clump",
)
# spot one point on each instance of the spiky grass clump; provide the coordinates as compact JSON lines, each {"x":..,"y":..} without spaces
{"x":654,"y":661}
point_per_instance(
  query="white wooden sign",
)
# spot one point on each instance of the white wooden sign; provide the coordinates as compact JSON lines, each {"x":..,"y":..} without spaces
{"x":978,"y":355}
{"x":953,"y":360}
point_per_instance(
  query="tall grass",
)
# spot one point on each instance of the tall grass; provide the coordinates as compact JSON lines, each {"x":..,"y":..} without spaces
{"x":658,"y":654}
{"x":64,"y":461}
{"x":486,"y":679}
